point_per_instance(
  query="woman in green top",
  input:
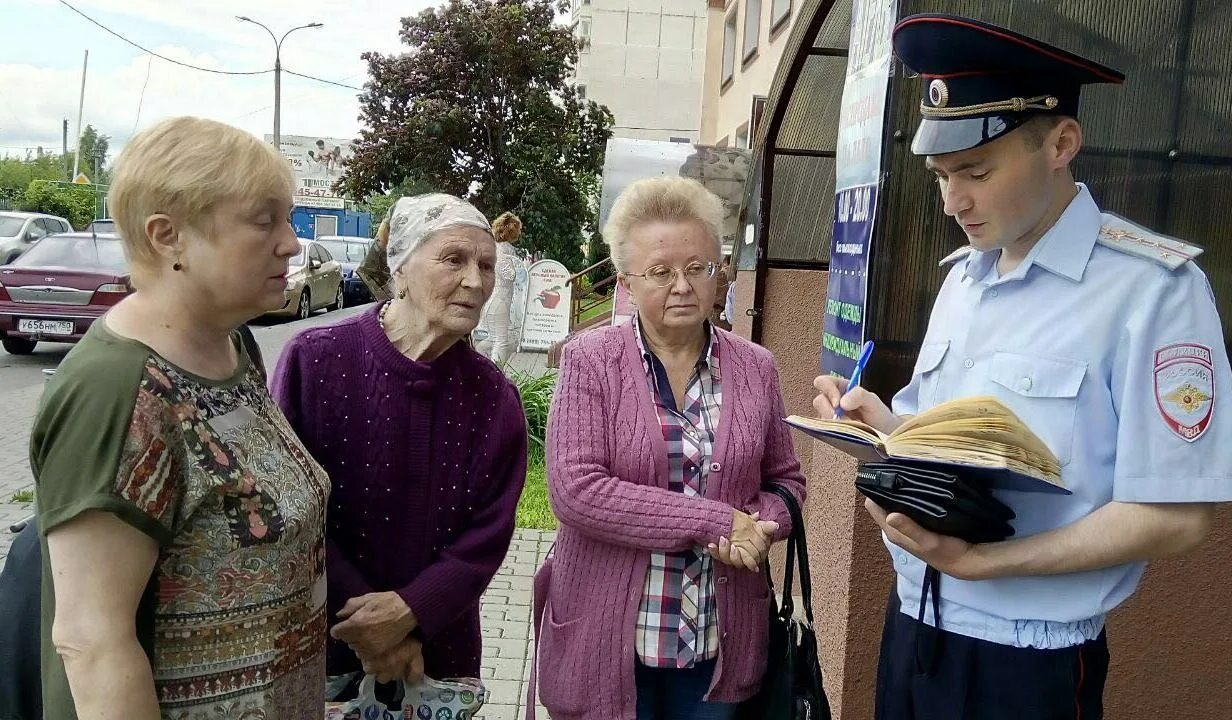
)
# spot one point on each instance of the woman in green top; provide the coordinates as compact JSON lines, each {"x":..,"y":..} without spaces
{"x":182,"y":519}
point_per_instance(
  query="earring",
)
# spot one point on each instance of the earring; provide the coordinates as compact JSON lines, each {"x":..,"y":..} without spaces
{"x":402,"y":294}
{"x":177,"y":267}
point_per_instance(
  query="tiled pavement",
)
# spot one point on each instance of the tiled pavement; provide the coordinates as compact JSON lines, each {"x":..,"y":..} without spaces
{"x":16,"y":411}
{"x":505,"y":610}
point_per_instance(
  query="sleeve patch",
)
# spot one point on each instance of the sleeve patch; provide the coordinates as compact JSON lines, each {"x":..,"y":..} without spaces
{"x":1185,"y":388}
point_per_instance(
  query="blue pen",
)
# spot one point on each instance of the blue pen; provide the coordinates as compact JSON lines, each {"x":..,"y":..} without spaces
{"x":865,"y":353}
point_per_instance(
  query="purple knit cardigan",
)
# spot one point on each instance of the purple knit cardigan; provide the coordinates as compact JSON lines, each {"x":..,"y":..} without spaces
{"x":427,"y":461}
{"x":607,"y":478}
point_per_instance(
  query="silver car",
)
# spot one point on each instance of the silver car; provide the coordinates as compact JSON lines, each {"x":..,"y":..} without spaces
{"x":314,"y":281}
{"x":20,"y":230}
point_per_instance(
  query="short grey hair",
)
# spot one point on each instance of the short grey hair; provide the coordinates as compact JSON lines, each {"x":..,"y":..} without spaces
{"x":662,"y":199}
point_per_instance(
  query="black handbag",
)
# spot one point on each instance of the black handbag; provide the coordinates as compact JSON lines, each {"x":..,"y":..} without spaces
{"x":943,"y":502}
{"x":791,"y":688}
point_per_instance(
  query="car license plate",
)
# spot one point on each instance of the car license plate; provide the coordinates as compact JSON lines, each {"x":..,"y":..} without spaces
{"x":45,"y":327}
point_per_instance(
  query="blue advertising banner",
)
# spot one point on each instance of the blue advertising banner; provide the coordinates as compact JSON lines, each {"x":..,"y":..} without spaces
{"x":858,"y":179}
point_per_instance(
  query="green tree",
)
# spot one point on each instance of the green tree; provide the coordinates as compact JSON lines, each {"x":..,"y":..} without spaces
{"x":94,"y":148}
{"x":598,"y":250}
{"x":378,"y":205}
{"x":481,"y":106}
{"x":16,"y":174}
{"x":75,"y":203}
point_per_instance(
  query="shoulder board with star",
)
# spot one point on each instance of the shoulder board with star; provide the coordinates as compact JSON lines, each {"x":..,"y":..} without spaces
{"x":955,"y":256}
{"x":1124,"y":236}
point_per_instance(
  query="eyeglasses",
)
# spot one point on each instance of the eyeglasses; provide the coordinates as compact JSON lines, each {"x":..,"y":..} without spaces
{"x":663,"y":276}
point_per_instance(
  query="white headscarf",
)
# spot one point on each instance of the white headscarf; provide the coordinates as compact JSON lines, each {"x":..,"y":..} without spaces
{"x":413,"y":220}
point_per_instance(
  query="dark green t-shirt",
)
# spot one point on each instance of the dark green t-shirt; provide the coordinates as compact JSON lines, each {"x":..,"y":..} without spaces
{"x":232,"y":619}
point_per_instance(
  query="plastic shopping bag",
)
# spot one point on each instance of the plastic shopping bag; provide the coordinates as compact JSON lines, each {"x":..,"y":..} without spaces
{"x":428,"y":699}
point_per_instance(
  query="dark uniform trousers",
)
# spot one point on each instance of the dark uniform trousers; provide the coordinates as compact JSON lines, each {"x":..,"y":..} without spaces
{"x":926,"y":674}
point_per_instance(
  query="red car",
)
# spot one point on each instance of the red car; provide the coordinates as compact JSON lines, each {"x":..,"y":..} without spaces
{"x":59,"y":287}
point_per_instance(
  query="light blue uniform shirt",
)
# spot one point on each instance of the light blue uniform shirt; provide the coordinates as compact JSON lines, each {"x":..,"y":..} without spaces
{"x":1118,"y":363}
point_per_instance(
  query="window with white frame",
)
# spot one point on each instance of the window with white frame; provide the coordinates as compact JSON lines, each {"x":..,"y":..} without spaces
{"x":729,"y":47}
{"x":780,"y":10}
{"x":755,"y":113}
{"x":752,"y":28}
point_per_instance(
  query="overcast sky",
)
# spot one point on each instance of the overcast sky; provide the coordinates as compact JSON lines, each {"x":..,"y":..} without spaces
{"x":41,"y":45}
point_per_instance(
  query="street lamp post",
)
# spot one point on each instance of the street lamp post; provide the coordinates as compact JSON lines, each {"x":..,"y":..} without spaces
{"x":277,"y":72}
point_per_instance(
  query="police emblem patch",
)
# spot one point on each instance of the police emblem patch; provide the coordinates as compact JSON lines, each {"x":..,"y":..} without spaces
{"x":1185,"y":388}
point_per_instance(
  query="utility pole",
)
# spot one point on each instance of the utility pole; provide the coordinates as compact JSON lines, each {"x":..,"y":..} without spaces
{"x":81,"y":104}
{"x":277,"y":72}
{"x":65,"y":155}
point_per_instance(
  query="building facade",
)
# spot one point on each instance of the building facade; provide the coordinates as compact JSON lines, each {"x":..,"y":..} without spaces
{"x":645,"y":60}
{"x":744,"y":42}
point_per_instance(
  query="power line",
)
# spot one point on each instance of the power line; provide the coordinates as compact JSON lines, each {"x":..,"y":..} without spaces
{"x":141,"y":99}
{"x":322,"y":80}
{"x":197,"y":67}
{"x":163,"y":57}
{"x":292,"y":100}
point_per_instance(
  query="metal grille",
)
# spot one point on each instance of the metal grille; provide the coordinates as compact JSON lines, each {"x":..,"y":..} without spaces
{"x":835,"y":32}
{"x":808,"y":125}
{"x":803,"y":219}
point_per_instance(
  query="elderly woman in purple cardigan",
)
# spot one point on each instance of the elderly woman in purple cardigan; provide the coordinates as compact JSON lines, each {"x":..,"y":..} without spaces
{"x":663,"y":437}
{"x":424,"y":440}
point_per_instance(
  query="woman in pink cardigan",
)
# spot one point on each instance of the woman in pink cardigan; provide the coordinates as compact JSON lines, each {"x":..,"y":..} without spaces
{"x":663,"y":436}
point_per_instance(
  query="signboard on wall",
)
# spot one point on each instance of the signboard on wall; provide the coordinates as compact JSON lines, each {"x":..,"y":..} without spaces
{"x":858,"y":179}
{"x":548,"y":303}
{"x":316,"y":164}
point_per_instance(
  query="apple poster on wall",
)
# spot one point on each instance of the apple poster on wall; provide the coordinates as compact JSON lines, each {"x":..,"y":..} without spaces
{"x":548,"y":303}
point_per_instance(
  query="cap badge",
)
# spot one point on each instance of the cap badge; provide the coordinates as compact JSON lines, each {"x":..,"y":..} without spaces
{"x":938,"y":93}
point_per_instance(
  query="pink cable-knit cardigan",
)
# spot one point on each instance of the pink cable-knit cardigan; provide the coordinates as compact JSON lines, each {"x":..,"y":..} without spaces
{"x":607,"y":479}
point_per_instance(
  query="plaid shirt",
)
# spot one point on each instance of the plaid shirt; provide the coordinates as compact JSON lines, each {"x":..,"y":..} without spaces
{"x":677,"y":622}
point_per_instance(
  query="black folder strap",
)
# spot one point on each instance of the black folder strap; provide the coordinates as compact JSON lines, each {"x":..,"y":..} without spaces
{"x":928,"y":639}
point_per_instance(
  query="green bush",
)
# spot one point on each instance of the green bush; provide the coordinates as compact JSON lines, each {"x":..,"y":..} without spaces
{"x":536,"y":395}
{"x":73,"y":203}
{"x":534,"y":510}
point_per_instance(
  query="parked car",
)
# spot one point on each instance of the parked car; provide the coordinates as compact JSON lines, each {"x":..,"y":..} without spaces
{"x":20,"y":230}
{"x":59,"y":287}
{"x":106,"y":225}
{"x":349,"y":251}
{"x":314,"y":282}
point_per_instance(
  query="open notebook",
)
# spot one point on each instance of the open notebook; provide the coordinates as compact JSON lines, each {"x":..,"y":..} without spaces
{"x":978,"y":436}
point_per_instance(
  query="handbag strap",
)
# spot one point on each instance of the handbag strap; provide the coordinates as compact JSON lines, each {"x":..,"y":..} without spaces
{"x":539,"y":601}
{"x":249,"y":341}
{"x":797,"y":555}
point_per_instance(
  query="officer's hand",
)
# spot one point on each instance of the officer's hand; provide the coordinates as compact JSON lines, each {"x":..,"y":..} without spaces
{"x":953,"y":556}
{"x":859,"y":404}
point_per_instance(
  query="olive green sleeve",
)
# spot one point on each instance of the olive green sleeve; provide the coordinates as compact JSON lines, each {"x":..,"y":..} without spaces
{"x":99,"y":442}
{"x":374,"y":271}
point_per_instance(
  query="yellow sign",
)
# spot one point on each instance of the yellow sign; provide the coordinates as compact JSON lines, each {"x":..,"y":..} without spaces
{"x":81,"y":179}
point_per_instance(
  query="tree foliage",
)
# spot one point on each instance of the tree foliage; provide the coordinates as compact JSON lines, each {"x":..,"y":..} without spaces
{"x":481,"y":106}
{"x":94,"y":149}
{"x":16,"y":174}
{"x":378,"y":205}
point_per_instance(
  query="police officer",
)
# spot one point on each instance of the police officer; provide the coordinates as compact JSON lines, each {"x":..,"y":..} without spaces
{"x":1101,"y":336}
